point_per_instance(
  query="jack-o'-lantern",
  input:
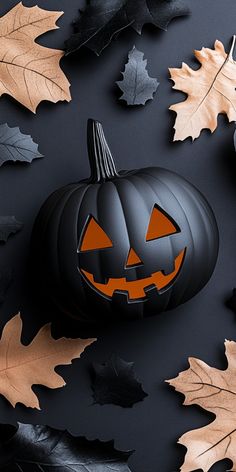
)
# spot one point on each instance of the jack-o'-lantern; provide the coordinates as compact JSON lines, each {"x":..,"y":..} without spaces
{"x":128,"y":244}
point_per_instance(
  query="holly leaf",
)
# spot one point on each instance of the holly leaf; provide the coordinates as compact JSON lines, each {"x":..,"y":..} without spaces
{"x":101,"y":21}
{"x":9,"y":225}
{"x":16,"y":146}
{"x":215,"y":391}
{"x":137,"y":86}
{"x":23,"y":366}
{"x":115,"y":382}
{"x":30,"y":72}
{"x":5,"y":282}
{"x":47,"y":449}
{"x":210,"y":90}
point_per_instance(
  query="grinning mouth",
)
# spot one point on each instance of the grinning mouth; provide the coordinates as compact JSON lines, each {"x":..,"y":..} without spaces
{"x":136,"y":288}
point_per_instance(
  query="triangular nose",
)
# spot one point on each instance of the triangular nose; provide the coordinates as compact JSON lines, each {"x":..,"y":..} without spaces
{"x":133,"y":259}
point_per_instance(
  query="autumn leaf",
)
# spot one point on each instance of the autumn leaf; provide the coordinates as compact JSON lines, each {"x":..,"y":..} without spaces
{"x":23,"y":366}
{"x":210,"y":90}
{"x":101,"y":21}
{"x":8,"y":226}
{"x":41,"y":448}
{"x":213,"y":390}
{"x":137,"y":86}
{"x":115,"y":382}
{"x":16,"y":146}
{"x":30,"y":72}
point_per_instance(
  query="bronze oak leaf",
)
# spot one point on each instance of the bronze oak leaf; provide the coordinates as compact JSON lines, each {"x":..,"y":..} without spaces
{"x":213,"y":390}
{"x":30,"y":72}
{"x":210,"y":90}
{"x":23,"y":366}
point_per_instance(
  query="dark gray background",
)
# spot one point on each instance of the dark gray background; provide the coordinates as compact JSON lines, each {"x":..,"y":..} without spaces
{"x":138,"y":137}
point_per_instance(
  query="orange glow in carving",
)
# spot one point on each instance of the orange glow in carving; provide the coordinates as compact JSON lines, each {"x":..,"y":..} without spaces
{"x":160,"y":225}
{"x":95,"y":237}
{"x":136,"y":288}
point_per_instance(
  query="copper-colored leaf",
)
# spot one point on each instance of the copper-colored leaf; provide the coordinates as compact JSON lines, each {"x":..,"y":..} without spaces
{"x":23,"y":366}
{"x":215,"y":391}
{"x":29,"y":72}
{"x":210,"y":90}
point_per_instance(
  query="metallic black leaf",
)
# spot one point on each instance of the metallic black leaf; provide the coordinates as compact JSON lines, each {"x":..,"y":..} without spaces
{"x":15,"y":146}
{"x":40,"y":448}
{"x":9,"y":225}
{"x":102,"y":20}
{"x":137,"y":86}
{"x":115,"y":382}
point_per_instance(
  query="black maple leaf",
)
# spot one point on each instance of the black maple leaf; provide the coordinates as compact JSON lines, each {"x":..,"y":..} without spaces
{"x":115,"y":382}
{"x":102,"y":20}
{"x":9,"y":225}
{"x":31,"y":448}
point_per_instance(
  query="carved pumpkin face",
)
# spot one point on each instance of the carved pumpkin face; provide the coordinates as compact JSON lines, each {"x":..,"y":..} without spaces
{"x":123,"y":245}
{"x":94,"y":238}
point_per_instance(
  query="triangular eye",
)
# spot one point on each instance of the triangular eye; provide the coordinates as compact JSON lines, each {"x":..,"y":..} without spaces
{"x":94,"y":237}
{"x":160,"y":225}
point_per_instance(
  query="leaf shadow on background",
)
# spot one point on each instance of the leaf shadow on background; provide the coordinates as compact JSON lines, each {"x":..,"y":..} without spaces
{"x":6,"y":278}
{"x":227,"y":155}
{"x":230,"y":301}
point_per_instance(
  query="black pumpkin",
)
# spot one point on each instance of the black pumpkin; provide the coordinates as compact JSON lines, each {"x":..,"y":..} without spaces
{"x":127,"y":244}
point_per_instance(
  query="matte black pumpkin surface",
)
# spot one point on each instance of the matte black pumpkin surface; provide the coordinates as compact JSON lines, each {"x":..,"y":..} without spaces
{"x":129,"y":245}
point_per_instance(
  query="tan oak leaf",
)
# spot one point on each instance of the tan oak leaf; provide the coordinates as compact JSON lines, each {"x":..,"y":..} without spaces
{"x":213,"y":390}
{"x":23,"y":366}
{"x":30,"y":72}
{"x":210,"y":90}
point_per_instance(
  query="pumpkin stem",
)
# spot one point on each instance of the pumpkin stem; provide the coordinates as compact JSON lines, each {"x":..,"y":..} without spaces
{"x":101,"y":161}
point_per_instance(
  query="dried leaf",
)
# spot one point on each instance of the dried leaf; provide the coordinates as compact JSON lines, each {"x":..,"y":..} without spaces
{"x":210,"y":90}
{"x":215,"y":391}
{"x":9,"y":225}
{"x":23,"y":366}
{"x":15,"y":146}
{"x":116,"y":383}
{"x":137,"y":86}
{"x":42,"y":448}
{"x":103,"y":20}
{"x":29,"y":72}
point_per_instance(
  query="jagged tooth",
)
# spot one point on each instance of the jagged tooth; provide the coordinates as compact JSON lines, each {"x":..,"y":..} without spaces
{"x":169,"y":268}
{"x":100,"y":279}
{"x":119,"y":295}
{"x":150,"y":288}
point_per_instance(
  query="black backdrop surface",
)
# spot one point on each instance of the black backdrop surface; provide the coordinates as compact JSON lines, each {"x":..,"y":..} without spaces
{"x":139,"y":137}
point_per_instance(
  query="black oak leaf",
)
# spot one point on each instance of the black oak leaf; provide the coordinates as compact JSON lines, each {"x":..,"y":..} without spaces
{"x":9,"y":225}
{"x":115,"y":382}
{"x":30,"y":448}
{"x":137,"y":86}
{"x":16,"y":146}
{"x":102,"y":20}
